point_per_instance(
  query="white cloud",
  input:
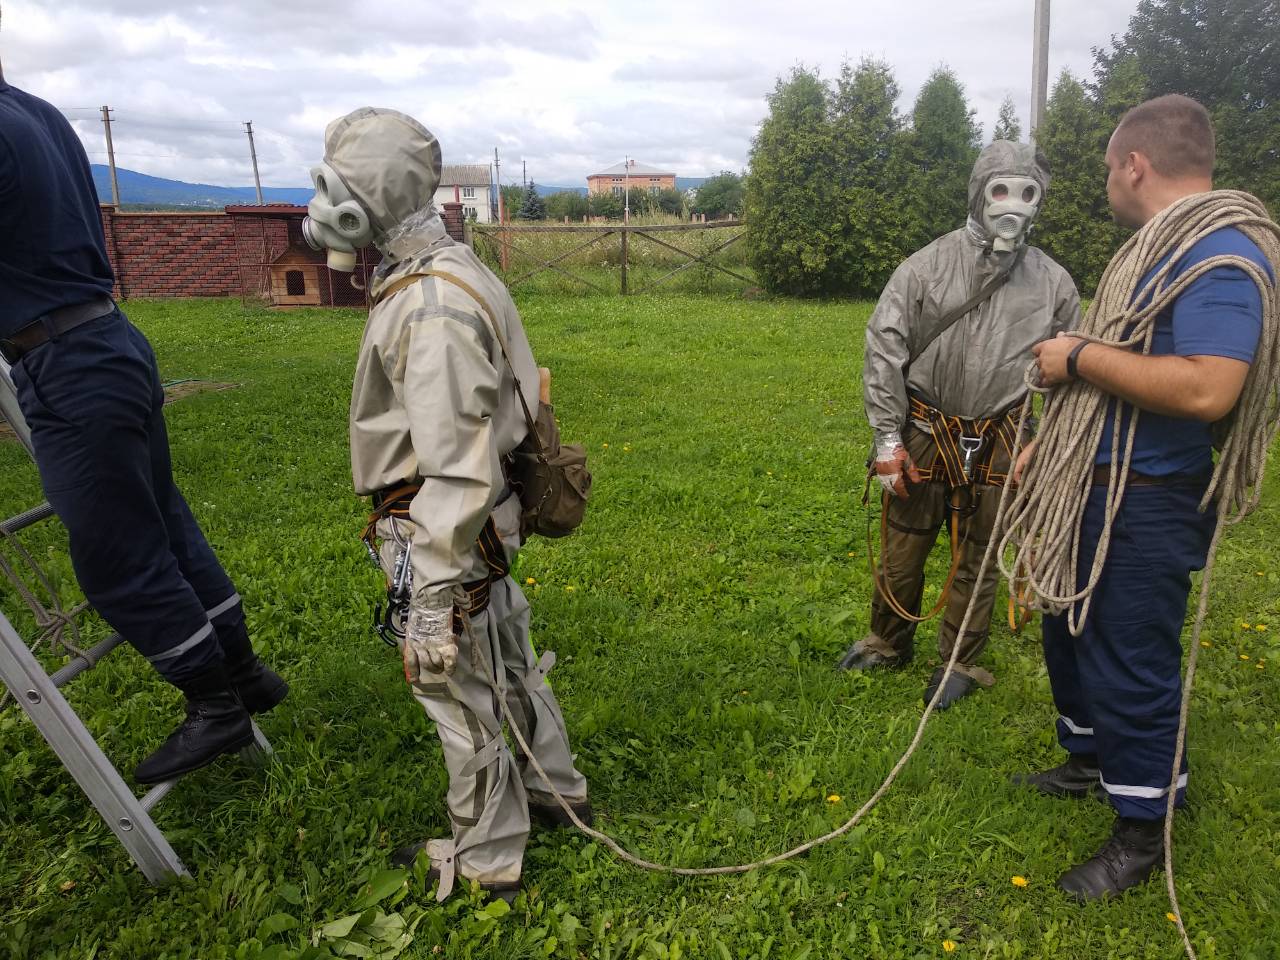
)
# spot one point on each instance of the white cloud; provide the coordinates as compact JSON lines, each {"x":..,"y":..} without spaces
{"x":570,"y":86}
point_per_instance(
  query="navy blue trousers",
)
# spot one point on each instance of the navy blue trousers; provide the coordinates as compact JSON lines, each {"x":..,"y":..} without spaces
{"x":94,"y":401}
{"x":1118,"y":686}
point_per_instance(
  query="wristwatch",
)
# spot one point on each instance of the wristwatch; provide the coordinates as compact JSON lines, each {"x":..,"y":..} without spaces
{"x":1071,"y":359}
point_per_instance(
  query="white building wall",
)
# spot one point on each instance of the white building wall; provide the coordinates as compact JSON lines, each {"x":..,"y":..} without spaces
{"x":479,"y":201}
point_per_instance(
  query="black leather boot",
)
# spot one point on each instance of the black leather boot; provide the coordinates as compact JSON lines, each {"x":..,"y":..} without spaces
{"x":1127,"y":859}
{"x":861,"y":657}
{"x":216,"y":723}
{"x":553,"y":817}
{"x":959,"y":685}
{"x":260,"y":688}
{"x":1078,"y":777}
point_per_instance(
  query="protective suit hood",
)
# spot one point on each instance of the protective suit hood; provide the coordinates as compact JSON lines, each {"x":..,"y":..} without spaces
{"x":387,"y":165}
{"x":389,"y":161}
{"x":1027,"y":171}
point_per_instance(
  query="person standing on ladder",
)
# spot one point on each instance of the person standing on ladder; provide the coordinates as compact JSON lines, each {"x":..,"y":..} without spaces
{"x":88,"y":386}
{"x":1117,"y":685}
{"x":942,"y":380}
{"x":443,"y":381}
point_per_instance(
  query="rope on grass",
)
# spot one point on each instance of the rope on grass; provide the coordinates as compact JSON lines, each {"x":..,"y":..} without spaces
{"x":1048,"y":509}
{"x":53,"y":621}
{"x":493,"y":678}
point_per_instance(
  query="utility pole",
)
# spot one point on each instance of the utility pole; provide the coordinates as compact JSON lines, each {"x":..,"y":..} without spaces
{"x":1039,"y":66}
{"x":497,"y":183}
{"x":111,"y":157}
{"x":253,"y":155}
{"x":524,"y":173}
{"x":626,"y":192}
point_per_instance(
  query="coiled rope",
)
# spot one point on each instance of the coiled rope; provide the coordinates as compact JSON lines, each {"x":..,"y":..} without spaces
{"x":1048,"y":509}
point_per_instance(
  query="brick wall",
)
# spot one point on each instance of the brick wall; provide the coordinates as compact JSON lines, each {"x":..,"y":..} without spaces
{"x":229,"y":254}
{"x":171,"y":254}
{"x":452,"y":215}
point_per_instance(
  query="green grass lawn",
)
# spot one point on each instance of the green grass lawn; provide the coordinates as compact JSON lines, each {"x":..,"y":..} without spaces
{"x":697,"y":615}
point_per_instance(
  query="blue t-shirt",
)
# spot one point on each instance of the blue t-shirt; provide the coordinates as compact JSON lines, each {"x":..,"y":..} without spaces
{"x":52,"y":249}
{"x":1219,"y":315}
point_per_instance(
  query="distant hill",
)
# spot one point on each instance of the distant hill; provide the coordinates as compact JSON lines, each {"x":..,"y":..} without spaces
{"x":141,"y":188}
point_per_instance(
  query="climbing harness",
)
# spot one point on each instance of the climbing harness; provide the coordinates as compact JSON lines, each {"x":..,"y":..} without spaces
{"x":965,"y":455}
{"x":392,"y":504}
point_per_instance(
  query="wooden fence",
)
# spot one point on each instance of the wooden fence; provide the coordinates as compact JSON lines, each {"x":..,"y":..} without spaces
{"x":521,"y":256}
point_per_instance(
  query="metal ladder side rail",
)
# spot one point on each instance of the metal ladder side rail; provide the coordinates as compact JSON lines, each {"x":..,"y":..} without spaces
{"x":126,"y":814}
{"x":79,"y":752}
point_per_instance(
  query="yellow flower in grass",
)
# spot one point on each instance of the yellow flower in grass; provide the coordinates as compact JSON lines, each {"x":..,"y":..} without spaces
{"x":1171,"y":917}
{"x":949,"y":946}
{"x":1019,"y":881}
{"x":1205,"y":643}
{"x":834,"y":798}
{"x":1244,"y":656}
{"x":1261,"y":628}
{"x":530,"y":581}
{"x":1245,"y":626}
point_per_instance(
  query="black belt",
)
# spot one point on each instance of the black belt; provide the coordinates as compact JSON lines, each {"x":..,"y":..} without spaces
{"x":1102,"y":477}
{"x":52,"y":324}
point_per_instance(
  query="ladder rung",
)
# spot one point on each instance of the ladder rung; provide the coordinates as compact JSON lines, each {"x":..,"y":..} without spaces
{"x":26,"y":519}
{"x":157,"y":793}
{"x":86,"y":660}
{"x":258,"y":752}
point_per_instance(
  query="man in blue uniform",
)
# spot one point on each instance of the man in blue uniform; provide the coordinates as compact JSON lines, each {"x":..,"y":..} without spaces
{"x":1118,"y":685}
{"x":88,"y":386}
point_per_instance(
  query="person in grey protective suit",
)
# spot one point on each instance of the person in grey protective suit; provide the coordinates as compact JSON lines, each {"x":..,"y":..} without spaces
{"x":946,"y":351}
{"x":433,"y":414}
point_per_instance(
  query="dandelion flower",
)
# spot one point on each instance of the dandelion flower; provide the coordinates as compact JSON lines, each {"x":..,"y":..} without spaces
{"x":530,"y":581}
{"x":605,"y":445}
{"x":569,"y":588}
{"x":949,"y":946}
{"x":1171,"y":917}
{"x":1261,"y":628}
{"x":1244,"y":656}
{"x":834,"y":798}
{"x":1019,"y":881}
{"x":1205,"y":643}
{"x":1245,"y":626}
{"x":1258,"y":665}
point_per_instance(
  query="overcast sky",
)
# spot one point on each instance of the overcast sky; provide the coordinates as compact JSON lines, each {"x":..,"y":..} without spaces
{"x":570,"y":87}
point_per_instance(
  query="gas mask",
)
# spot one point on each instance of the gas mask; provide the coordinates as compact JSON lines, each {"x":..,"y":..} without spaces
{"x":1011,"y":205}
{"x":335,"y":221}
